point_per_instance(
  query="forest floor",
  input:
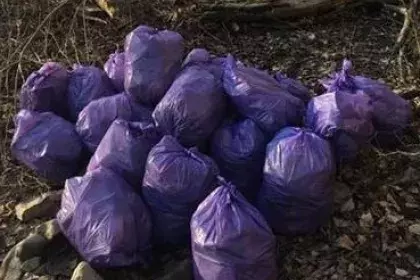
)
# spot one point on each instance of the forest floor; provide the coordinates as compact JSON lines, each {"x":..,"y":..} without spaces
{"x":378,"y":196}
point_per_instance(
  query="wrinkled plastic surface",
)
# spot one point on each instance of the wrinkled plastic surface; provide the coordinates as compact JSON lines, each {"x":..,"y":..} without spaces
{"x":239,"y":150}
{"x":97,"y":117}
{"x":45,"y":90}
{"x":87,"y":83}
{"x":124,"y":149}
{"x":296,"y":194}
{"x":114,"y":67}
{"x":231,"y":240}
{"x":193,"y":107}
{"x":391,"y":113}
{"x":105,"y":220}
{"x":175,"y":182}
{"x":47,"y":144}
{"x":294,"y":87}
{"x":212,"y":63}
{"x":343,"y":117}
{"x":258,"y":96}
{"x":152,"y":60}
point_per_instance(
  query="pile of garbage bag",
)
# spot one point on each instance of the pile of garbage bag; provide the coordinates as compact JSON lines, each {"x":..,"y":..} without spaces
{"x":127,"y":142}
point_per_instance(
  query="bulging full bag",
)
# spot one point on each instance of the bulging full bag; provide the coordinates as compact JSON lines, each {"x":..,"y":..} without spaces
{"x":45,"y":90}
{"x":97,"y":117}
{"x":87,"y":83}
{"x":114,"y":67}
{"x":239,"y":150}
{"x":193,"y":107}
{"x":343,"y":117}
{"x":105,"y":220}
{"x":258,"y":96}
{"x":152,"y":60}
{"x":294,"y":87}
{"x":201,"y":57}
{"x":175,"y":182}
{"x":296,"y":194}
{"x":124,"y":149}
{"x":47,"y":144}
{"x":231,"y":240}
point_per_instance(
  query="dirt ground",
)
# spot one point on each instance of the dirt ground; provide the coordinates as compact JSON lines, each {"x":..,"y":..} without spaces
{"x":378,"y":197}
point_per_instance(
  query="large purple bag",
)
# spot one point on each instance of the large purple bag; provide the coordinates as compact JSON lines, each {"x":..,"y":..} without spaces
{"x":152,"y":60}
{"x":45,"y":90}
{"x":87,"y":83}
{"x":391,"y":113}
{"x":296,"y":195}
{"x":343,"y":117}
{"x":105,"y":220}
{"x":239,"y":150}
{"x":47,"y":144}
{"x":231,"y":240}
{"x":124,"y":149}
{"x":175,"y":182}
{"x":258,"y":96}
{"x":294,"y":87}
{"x":114,"y":67}
{"x":96,"y":118}
{"x":193,"y":107}
{"x":201,"y":57}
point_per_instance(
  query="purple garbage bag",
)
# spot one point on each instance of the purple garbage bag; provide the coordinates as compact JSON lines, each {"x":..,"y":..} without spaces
{"x":294,"y":87}
{"x":343,"y":117}
{"x":175,"y":182}
{"x":114,"y":67}
{"x":87,"y":83}
{"x":296,"y":194}
{"x":258,"y":96}
{"x":45,"y":90}
{"x":239,"y":150}
{"x":231,"y":239}
{"x":124,"y":149}
{"x":105,"y":220}
{"x":391,"y":113}
{"x":97,"y":117}
{"x":47,"y":144}
{"x":192,"y":108}
{"x":201,"y":57}
{"x":152,"y":60}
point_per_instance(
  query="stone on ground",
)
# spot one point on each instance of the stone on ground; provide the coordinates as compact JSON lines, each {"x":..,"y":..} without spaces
{"x":44,"y":206}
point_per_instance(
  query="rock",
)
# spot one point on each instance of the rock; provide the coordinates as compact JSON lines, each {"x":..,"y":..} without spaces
{"x":45,"y":277}
{"x":10,"y":267}
{"x":31,"y":264}
{"x":30,"y":247}
{"x":414,"y":229}
{"x":49,"y":229}
{"x":182,"y":270}
{"x":401,"y":272}
{"x":345,"y":242}
{"x":366,"y":220}
{"x":44,"y":206}
{"x":348,"y":206}
{"x":83,"y":271}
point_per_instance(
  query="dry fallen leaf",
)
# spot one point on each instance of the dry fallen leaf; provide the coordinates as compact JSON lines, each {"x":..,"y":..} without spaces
{"x":366,"y":220}
{"x":394,"y":218}
{"x":106,"y":7}
{"x":401,"y":272}
{"x":345,"y":242}
{"x":414,"y":229}
{"x":348,"y":206}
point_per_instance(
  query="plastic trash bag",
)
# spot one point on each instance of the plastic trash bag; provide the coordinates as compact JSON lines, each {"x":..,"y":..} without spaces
{"x":152,"y":60}
{"x":175,"y":182}
{"x":124,"y":149}
{"x":343,"y":117}
{"x":87,"y":83}
{"x":258,"y":96}
{"x":294,"y":87}
{"x":212,"y":63}
{"x":192,"y":108}
{"x":105,"y":220}
{"x":239,"y":150}
{"x":114,"y":67}
{"x":391,"y":113}
{"x":296,"y":194}
{"x":47,"y":144}
{"x":231,"y":240}
{"x":45,"y":90}
{"x":97,"y":117}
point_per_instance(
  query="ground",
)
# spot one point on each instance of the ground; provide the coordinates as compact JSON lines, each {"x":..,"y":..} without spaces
{"x":378,"y":197}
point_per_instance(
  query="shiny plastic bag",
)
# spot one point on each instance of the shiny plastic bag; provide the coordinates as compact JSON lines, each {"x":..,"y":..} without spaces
{"x":231,"y":240}
{"x":97,"y":117}
{"x":124,"y":149}
{"x":47,"y":144}
{"x":212,"y":63}
{"x":45,"y":90}
{"x":175,"y":182}
{"x":105,"y":220}
{"x":114,"y":67}
{"x":152,"y":60}
{"x":258,"y":96}
{"x":296,"y":194}
{"x":294,"y":87}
